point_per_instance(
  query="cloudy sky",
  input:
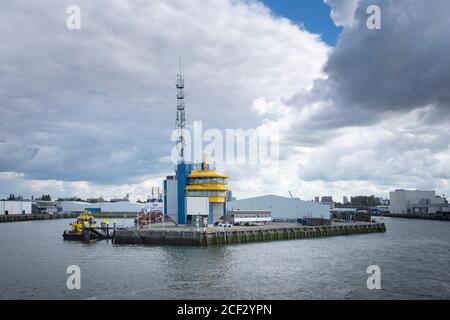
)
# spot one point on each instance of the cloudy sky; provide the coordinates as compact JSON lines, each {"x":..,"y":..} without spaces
{"x":90,"y":112}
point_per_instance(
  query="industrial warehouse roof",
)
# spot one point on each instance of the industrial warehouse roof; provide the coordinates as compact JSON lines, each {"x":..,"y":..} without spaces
{"x":123,"y":206}
{"x":344,"y":209}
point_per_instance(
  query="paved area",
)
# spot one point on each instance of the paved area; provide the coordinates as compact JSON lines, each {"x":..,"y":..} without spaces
{"x":172,"y":227}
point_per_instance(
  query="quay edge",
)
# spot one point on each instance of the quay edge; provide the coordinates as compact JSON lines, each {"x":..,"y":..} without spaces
{"x":32,"y":217}
{"x":215,"y":237}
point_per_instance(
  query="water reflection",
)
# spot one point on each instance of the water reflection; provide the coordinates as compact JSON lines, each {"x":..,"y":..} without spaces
{"x":195,"y":269}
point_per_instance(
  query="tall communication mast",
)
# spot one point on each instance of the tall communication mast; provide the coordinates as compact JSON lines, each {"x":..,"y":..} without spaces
{"x":180,"y":123}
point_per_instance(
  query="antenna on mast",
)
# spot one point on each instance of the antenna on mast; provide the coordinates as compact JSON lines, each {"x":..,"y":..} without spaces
{"x":181,"y":119}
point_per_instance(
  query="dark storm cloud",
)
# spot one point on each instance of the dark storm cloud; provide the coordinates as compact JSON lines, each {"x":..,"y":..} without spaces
{"x":403,"y":66}
{"x":380,"y":116}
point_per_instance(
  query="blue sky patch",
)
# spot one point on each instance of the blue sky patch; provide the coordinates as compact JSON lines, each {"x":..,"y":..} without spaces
{"x":313,"y":14}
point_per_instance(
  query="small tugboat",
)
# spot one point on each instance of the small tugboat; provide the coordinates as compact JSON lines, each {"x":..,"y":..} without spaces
{"x":86,"y":219}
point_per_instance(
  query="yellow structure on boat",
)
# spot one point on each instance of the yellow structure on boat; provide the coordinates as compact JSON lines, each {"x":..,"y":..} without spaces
{"x":85,"y":219}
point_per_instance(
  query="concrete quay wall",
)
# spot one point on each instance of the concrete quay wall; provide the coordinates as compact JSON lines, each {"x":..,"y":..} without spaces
{"x":215,"y":237}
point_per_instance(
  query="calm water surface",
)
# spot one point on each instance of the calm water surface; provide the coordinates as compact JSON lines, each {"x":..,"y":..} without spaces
{"x":414,"y":257}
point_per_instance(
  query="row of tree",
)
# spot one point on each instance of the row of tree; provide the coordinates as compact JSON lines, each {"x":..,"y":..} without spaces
{"x":47,"y":197}
{"x":362,"y":201}
{"x":44,"y":197}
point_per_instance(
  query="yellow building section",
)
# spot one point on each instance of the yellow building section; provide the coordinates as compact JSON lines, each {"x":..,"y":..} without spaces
{"x":216,"y":191}
{"x":208,"y":183}
{"x":216,"y":199}
{"x":206,"y":174}
{"x":206,"y":187}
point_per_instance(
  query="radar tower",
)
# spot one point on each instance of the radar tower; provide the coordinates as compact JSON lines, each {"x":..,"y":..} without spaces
{"x":181,"y":119}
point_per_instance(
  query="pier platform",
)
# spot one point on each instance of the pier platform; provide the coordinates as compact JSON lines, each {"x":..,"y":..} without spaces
{"x":32,"y":217}
{"x":66,"y":215}
{"x":170,"y":235}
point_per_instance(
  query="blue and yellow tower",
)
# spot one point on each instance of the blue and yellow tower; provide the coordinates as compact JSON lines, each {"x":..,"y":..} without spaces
{"x":196,"y":195}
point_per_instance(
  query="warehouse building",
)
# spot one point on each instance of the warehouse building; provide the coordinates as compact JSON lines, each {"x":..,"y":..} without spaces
{"x":343,"y":214}
{"x":416,"y":202}
{"x":14,"y":207}
{"x":46,"y":207}
{"x":110,"y":207}
{"x":251,"y":217}
{"x":284,"y":209}
{"x":154,"y":207}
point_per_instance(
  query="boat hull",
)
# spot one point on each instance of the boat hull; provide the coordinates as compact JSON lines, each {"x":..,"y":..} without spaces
{"x":77,"y":237}
{"x":73,"y":236}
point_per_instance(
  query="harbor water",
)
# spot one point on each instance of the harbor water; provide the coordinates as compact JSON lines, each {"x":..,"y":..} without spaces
{"x":413,"y":256}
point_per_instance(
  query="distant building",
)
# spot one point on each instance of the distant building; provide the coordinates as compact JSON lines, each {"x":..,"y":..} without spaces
{"x":125,"y":199}
{"x":381,"y":209}
{"x":316,"y":199}
{"x":14,"y":207}
{"x":416,"y":202}
{"x":96,"y":200}
{"x":154,"y":207}
{"x":282,"y":208}
{"x":122,"y":207}
{"x":248,"y":216}
{"x":350,"y":214}
{"x":345,"y":200}
{"x":230,"y":196}
{"x":382,"y":201}
{"x":343,"y":214}
{"x":328,"y":201}
{"x":46,"y":206}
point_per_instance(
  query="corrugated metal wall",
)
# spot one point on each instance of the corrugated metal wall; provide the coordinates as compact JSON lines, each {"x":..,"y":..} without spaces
{"x":282,"y":207}
{"x":15,"y":207}
{"x":73,"y":206}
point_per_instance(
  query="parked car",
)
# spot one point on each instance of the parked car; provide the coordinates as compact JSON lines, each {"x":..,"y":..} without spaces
{"x":225,"y":224}
{"x":250,"y":224}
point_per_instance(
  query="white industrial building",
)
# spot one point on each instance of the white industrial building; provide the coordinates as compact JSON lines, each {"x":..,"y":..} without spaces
{"x":11,"y":207}
{"x":416,"y":202}
{"x":44,"y":207}
{"x":248,"y":216}
{"x":122,"y":206}
{"x":154,"y":207}
{"x":346,"y":214}
{"x":283,"y":208}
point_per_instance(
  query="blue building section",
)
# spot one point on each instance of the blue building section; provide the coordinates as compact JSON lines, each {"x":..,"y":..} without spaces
{"x":183,"y":171}
{"x":210,"y":214}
